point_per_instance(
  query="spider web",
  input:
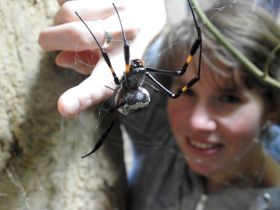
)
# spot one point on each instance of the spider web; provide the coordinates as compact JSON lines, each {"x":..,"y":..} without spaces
{"x":147,"y":134}
{"x":218,"y":11}
{"x":155,"y":140}
{"x":155,"y":144}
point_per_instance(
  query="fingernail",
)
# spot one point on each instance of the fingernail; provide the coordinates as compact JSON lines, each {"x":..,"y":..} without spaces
{"x":66,"y":65}
{"x":69,"y":106}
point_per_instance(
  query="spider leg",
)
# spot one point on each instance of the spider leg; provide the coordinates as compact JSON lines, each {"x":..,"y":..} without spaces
{"x":102,"y":138}
{"x":104,"y":135}
{"x":125,"y":46}
{"x":184,"y":88}
{"x":162,"y":87}
{"x":103,"y":52}
{"x":195,"y":46}
{"x":169,"y":92}
{"x":189,"y":84}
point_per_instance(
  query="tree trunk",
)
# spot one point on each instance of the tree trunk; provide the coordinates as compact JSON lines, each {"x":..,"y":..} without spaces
{"x":40,"y":164}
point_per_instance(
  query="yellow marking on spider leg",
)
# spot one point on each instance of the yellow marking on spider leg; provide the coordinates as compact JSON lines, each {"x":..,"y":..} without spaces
{"x":127,"y":67}
{"x":189,"y":59}
{"x":112,"y":70}
{"x":184,"y":88}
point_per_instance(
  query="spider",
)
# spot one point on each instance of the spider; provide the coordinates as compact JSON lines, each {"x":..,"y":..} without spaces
{"x":130,"y":96}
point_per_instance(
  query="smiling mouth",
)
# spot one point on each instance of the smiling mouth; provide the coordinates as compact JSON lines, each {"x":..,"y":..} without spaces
{"x":203,"y":146}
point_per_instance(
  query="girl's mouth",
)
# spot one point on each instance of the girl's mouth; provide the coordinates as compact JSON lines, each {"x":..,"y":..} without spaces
{"x":203,"y":147}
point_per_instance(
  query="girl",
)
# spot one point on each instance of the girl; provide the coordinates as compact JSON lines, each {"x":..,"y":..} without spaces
{"x":220,"y":126}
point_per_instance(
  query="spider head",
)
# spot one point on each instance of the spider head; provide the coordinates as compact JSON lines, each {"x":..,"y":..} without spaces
{"x":136,"y":64}
{"x":136,"y":99}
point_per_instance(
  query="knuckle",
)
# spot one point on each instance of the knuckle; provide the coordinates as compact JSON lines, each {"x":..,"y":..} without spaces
{"x":67,"y":12}
{"x":78,"y":36}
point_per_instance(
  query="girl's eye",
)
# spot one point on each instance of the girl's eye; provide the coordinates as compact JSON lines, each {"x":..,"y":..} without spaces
{"x":230,"y":98}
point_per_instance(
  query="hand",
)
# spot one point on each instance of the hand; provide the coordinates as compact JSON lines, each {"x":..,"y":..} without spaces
{"x":80,"y":52}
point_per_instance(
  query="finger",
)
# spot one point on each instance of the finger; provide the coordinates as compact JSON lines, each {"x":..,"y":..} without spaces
{"x":60,"y":2}
{"x":88,"y":9}
{"x":75,"y":36}
{"x":72,"y":36}
{"x":83,"y":62}
{"x":112,"y":24}
{"x":93,"y":90}
{"x":90,"y":92}
{"x":79,"y":98}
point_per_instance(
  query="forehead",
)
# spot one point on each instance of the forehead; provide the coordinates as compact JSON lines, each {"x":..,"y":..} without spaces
{"x":218,"y":76}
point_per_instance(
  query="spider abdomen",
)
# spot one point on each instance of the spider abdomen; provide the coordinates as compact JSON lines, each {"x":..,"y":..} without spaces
{"x":135,"y":100}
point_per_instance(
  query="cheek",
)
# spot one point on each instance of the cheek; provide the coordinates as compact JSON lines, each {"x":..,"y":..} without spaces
{"x":176,"y":111}
{"x":242,"y":126}
{"x":172,"y":114}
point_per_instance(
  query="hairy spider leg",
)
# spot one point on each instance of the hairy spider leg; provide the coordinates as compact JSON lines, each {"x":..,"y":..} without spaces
{"x":196,"y":45}
{"x":103,"y":52}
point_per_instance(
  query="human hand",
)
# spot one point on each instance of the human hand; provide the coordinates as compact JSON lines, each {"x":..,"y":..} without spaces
{"x":80,"y":52}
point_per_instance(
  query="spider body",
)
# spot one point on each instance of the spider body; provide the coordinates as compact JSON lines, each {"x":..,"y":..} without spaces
{"x":136,"y":75}
{"x":135,"y":100}
{"x":130,"y":96}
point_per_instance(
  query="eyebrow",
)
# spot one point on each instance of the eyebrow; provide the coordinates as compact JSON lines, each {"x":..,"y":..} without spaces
{"x":226,"y":84}
{"x":228,"y":89}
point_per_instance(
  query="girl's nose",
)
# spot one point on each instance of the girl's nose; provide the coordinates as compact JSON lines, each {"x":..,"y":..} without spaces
{"x":201,"y":119}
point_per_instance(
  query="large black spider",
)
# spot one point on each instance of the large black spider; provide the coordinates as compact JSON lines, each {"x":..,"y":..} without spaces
{"x":131,"y":96}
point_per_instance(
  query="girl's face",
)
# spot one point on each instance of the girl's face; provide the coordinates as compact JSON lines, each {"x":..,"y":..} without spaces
{"x":216,"y":123}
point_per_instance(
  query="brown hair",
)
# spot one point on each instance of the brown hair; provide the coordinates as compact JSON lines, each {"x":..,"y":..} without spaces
{"x":254,"y":33}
